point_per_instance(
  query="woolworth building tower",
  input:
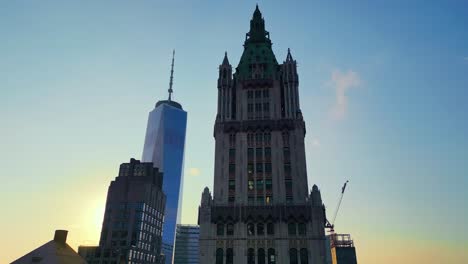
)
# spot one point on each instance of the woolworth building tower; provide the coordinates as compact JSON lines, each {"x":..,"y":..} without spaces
{"x":261,"y":210}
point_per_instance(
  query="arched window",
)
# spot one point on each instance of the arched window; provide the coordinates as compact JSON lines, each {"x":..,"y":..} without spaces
{"x":229,"y":256}
{"x":219,"y":256}
{"x":270,"y":229}
{"x":260,"y":229}
{"x":304,"y":256}
{"x":230,"y":229}
{"x":271,"y":256}
{"x":250,"y":256}
{"x":293,"y":256}
{"x":250,"y":229}
{"x":261,"y":256}
{"x":220,"y":229}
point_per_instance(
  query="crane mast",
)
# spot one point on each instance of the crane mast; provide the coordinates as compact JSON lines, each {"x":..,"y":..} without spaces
{"x":331,"y":225}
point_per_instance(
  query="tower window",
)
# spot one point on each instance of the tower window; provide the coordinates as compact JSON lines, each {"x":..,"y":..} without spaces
{"x":270,"y":229}
{"x":232,"y":185}
{"x":251,"y":185}
{"x":259,"y":167}
{"x":260,"y":229}
{"x":258,"y":94}
{"x":271,"y":256}
{"x":259,"y":184}
{"x":259,"y":154}
{"x":293,"y":256}
{"x":232,"y":155}
{"x":219,"y":256}
{"x":261,"y":256}
{"x":250,"y":169}
{"x":250,"y":229}
{"x":232,"y":168}
{"x":304,"y":256}
{"x":230,"y":229}
{"x":229,"y":256}
{"x":250,"y":256}
{"x":268,"y":154}
{"x":292,"y":229}
{"x":268,"y":185}
{"x":250,"y":153}
{"x":265,"y":94}
{"x":302,"y":229}
{"x":220,"y":229}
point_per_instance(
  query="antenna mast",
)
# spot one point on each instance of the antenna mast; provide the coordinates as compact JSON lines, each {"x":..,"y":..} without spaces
{"x":172,"y":75}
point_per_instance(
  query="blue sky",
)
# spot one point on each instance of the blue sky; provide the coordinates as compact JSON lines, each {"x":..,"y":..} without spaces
{"x":383,"y":88}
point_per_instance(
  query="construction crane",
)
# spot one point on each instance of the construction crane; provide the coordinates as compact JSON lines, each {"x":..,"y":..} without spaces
{"x":331,"y":225}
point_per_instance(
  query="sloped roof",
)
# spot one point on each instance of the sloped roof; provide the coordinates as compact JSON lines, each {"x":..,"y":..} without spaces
{"x":51,"y":252}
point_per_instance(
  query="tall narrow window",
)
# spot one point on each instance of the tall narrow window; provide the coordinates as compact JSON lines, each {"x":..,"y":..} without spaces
{"x":259,"y":167}
{"x":270,"y":229}
{"x":232,"y":185}
{"x":229,"y":256}
{"x":250,"y":168}
{"x":220,"y":229}
{"x":230,"y":229}
{"x":261,"y":256}
{"x":250,"y":229}
{"x":304,"y":256}
{"x":219,"y":256}
{"x":232,"y":155}
{"x":292,"y":229}
{"x":259,"y":184}
{"x":268,"y":185}
{"x":250,"y":185}
{"x":250,"y":256}
{"x":259,"y":154}
{"x":302,"y":230}
{"x":293,"y":256}
{"x":250,"y":154}
{"x":271,"y":256}
{"x":260,"y":229}
{"x":266,"y":110}
{"x":267,"y":154}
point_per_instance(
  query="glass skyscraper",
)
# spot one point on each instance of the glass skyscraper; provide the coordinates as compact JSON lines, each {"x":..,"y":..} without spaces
{"x":186,"y":245}
{"x":164,"y":147}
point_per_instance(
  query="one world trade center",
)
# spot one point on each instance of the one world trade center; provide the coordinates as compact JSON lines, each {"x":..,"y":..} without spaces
{"x":164,"y":146}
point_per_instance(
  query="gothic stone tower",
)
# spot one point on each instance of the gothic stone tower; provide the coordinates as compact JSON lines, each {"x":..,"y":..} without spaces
{"x":261,"y":211}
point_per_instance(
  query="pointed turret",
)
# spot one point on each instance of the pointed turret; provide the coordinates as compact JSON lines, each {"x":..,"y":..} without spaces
{"x":289,"y":57}
{"x":225,"y":94}
{"x":225,"y":60}
{"x":290,"y":81}
{"x":258,"y":60}
{"x":257,"y":31}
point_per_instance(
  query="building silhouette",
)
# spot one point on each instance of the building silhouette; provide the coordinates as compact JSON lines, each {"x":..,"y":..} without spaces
{"x":56,"y":251}
{"x":164,"y":147}
{"x":132,"y":226}
{"x":261,"y":210}
{"x":187,"y":246}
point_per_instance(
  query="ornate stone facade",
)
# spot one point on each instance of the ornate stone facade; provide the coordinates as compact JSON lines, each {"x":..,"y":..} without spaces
{"x":261,"y":210}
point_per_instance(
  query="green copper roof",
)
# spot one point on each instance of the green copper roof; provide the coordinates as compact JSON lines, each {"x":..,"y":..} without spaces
{"x":257,"y":51}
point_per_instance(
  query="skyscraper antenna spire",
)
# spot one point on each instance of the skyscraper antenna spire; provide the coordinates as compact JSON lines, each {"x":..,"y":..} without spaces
{"x":172,"y":75}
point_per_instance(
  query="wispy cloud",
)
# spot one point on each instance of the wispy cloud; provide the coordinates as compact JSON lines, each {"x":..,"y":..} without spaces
{"x":341,"y":82}
{"x":194,"y":171}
